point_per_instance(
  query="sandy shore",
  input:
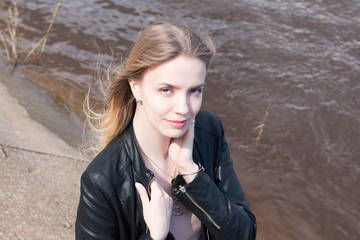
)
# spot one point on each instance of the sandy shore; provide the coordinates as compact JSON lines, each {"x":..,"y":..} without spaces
{"x":40,"y":171}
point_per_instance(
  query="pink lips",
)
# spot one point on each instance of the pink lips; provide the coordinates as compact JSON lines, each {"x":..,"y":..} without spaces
{"x":177,"y":124}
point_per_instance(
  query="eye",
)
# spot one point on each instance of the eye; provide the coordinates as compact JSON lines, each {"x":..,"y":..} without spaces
{"x":196,"y":91}
{"x":166,"y":91}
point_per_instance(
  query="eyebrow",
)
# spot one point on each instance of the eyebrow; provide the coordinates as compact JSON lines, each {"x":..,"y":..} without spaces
{"x":200,"y":86}
{"x":173,"y":86}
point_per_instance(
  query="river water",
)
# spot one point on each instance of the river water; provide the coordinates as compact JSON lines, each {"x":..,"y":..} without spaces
{"x":303,"y":57}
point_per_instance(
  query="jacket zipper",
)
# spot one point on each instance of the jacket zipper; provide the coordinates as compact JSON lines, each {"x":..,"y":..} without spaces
{"x":183,"y":190}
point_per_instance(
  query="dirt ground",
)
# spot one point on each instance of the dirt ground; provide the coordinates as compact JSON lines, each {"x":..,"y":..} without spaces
{"x":40,"y":175}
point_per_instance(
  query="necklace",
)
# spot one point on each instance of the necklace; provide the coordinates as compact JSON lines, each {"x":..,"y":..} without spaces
{"x":178,"y":208}
{"x":172,"y":177}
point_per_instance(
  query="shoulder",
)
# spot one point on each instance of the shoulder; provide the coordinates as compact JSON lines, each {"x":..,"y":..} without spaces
{"x":208,"y":123}
{"x":108,"y":167}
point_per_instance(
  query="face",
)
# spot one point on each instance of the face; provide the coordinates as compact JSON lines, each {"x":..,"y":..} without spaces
{"x":171,"y":95}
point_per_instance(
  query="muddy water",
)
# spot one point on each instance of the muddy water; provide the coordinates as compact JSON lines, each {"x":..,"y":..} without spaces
{"x":303,"y":57}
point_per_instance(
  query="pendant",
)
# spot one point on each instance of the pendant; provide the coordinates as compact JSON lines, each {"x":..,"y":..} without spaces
{"x":178,"y":208}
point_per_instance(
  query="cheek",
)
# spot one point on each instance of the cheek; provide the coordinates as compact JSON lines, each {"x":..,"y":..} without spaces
{"x":196,"y":104}
{"x":159,"y":106}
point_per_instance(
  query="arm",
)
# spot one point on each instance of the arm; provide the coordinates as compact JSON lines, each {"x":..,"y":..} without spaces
{"x":222,"y":206}
{"x":95,"y":217}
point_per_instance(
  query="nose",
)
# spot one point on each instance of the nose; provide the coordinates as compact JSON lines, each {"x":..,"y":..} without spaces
{"x":181,"y":105}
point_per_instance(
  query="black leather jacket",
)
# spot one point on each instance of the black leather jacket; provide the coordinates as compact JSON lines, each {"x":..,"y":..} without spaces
{"x":110,"y":207}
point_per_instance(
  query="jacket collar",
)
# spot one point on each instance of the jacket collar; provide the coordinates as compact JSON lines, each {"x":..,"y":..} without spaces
{"x":141,"y":172}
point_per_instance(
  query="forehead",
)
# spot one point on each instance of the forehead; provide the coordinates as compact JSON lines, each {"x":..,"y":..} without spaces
{"x":181,"y":70}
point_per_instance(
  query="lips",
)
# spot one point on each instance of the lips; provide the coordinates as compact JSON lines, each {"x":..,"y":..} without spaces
{"x":177,"y":123}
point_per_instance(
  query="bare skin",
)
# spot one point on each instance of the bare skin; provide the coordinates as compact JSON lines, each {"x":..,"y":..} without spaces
{"x":180,"y":152}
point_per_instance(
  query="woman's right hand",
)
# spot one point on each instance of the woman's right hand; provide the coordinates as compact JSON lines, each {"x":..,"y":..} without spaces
{"x":157,"y":211}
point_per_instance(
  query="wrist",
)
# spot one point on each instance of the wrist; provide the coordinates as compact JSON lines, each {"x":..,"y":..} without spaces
{"x":190,"y":173}
{"x":156,"y":237}
{"x":193,"y":167}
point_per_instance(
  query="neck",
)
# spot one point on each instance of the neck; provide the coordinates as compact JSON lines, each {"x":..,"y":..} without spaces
{"x":151,"y":142}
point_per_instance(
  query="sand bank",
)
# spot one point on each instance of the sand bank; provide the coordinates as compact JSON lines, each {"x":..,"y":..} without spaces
{"x":39,"y":169}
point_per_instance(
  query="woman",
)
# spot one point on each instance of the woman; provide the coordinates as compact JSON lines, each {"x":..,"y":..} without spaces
{"x":165,"y":170}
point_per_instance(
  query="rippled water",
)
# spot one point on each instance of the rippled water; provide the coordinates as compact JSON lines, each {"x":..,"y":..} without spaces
{"x":303,"y":57}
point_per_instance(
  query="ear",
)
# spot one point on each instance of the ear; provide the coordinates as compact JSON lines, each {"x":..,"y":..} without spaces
{"x":135,"y":86}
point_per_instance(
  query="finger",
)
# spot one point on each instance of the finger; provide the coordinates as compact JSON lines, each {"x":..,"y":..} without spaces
{"x":188,"y":137}
{"x":192,"y":129}
{"x":143,"y":194}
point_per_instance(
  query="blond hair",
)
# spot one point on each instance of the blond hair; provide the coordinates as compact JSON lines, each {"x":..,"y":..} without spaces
{"x":158,"y":43}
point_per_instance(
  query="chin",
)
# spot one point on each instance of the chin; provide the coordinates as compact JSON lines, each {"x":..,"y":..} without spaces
{"x":175,"y":133}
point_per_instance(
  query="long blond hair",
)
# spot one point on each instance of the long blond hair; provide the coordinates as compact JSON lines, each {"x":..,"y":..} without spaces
{"x":158,"y":43}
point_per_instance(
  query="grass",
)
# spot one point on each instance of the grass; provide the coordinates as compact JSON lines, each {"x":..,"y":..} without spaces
{"x":9,"y":39}
{"x":261,"y":129}
{"x":40,"y":45}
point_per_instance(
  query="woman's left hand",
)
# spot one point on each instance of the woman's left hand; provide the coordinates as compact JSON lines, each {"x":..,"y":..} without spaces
{"x":181,"y":153}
